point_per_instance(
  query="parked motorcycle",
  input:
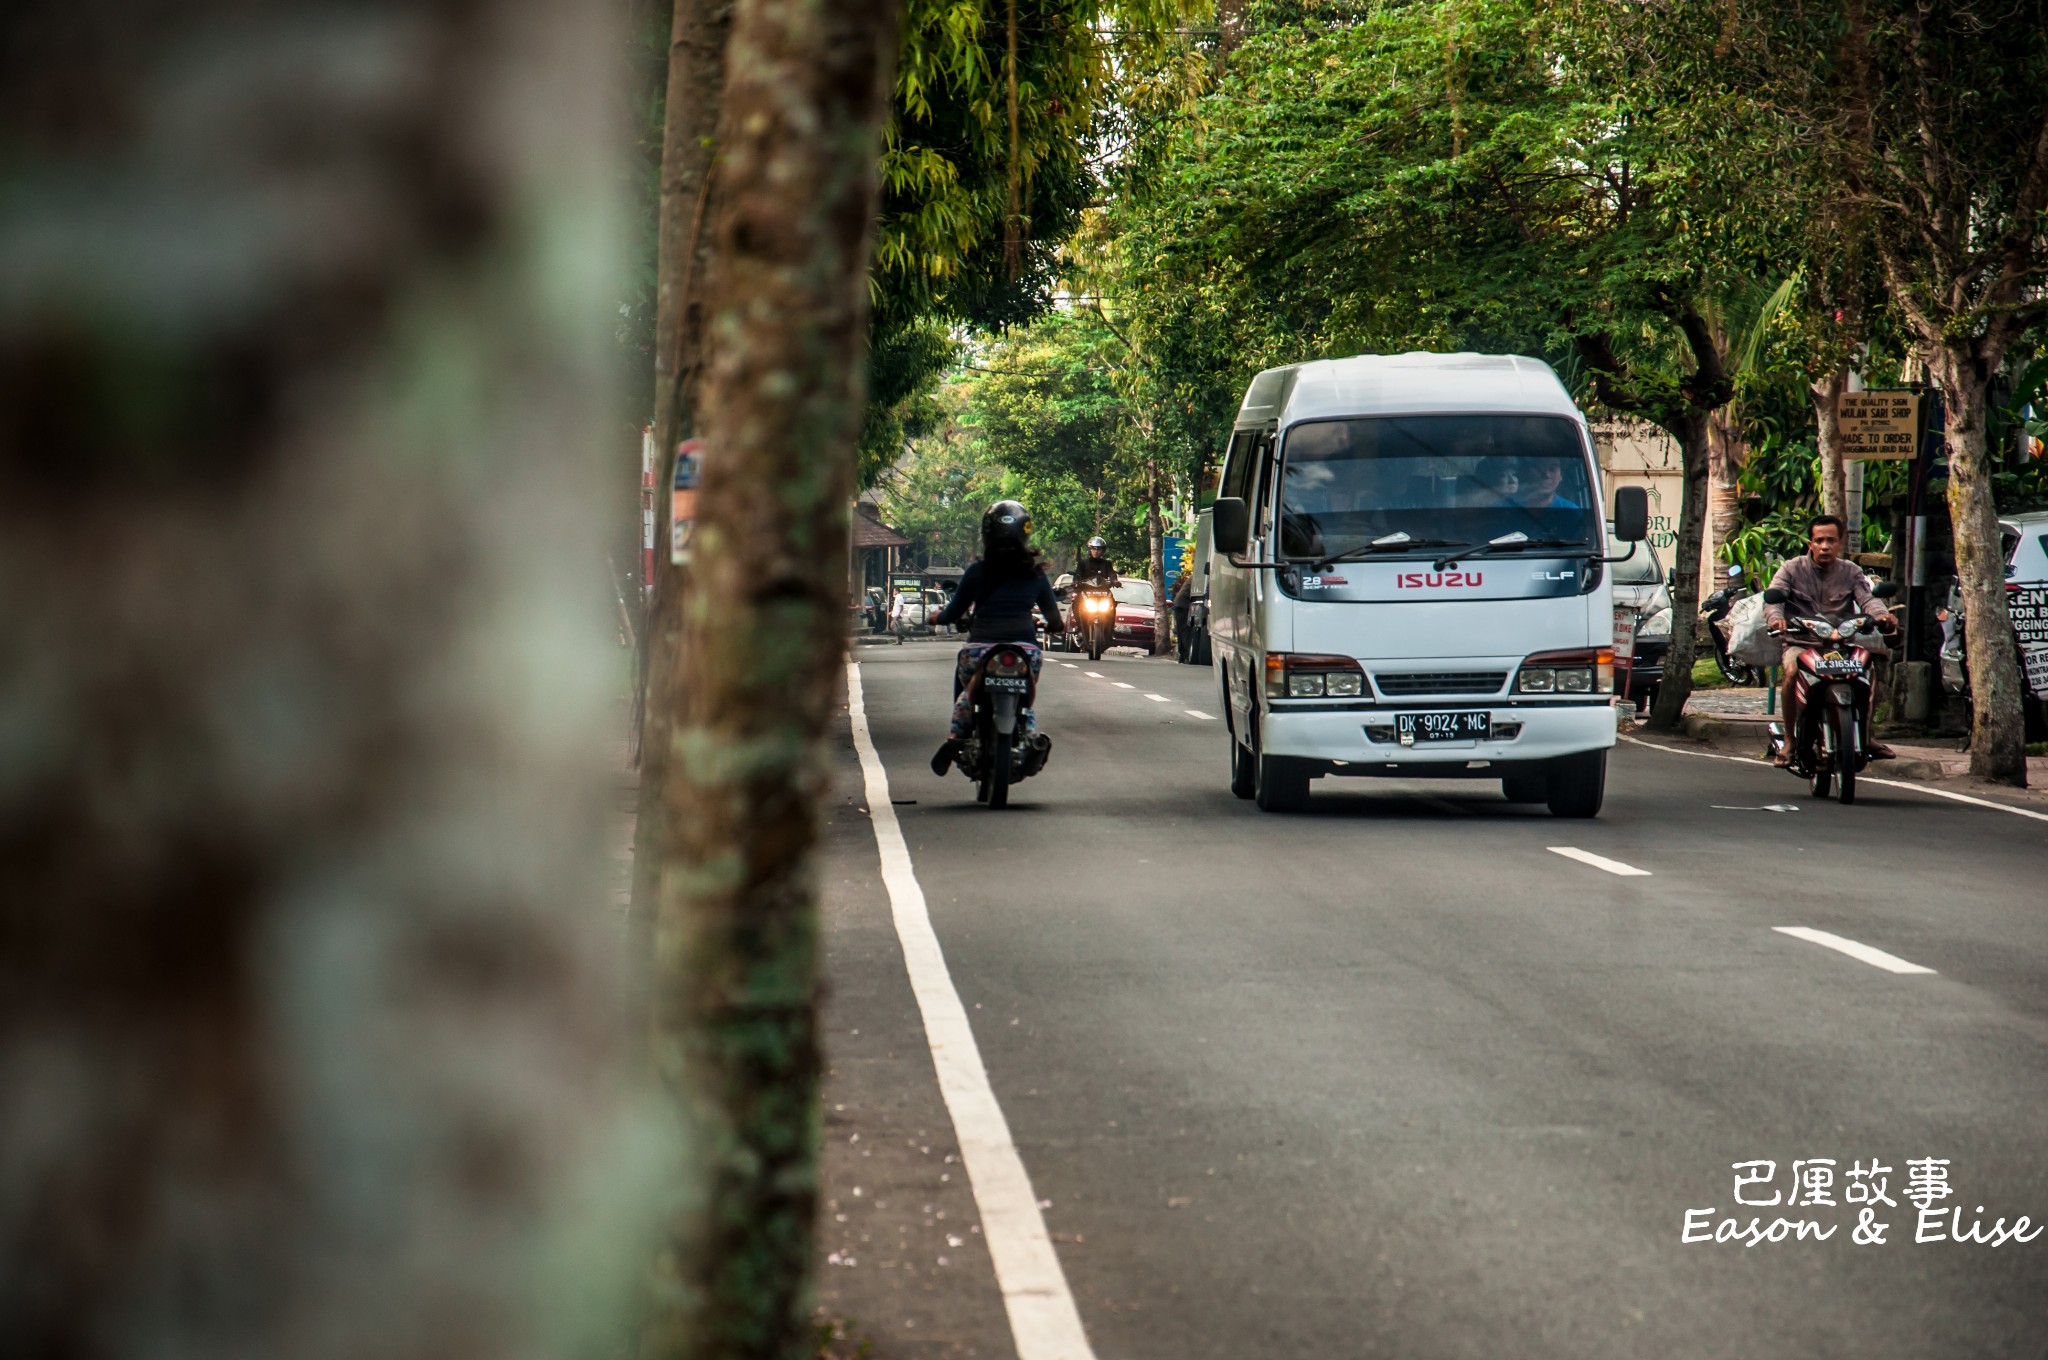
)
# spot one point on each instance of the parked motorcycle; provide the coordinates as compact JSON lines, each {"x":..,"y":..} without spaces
{"x":996,"y":752}
{"x":1714,"y":609}
{"x":1832,"y":685}
{"x":1094,"y":621}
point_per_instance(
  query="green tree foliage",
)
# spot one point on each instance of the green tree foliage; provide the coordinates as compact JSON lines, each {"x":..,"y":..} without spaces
{"x":1930,"y":118}
{"x":998,"y":117}
{"x":936,"y":496}
{"x":1560,"y":179}
{"x":1045,"y":407}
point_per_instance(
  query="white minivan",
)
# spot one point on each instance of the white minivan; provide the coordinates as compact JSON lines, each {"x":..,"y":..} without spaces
{"x":1408,"y":578}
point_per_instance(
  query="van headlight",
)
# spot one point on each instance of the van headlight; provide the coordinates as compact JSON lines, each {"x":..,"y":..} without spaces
{"x":1295,"y":675}
{"x":1590,"y":671}
{"x":1658,"y":625}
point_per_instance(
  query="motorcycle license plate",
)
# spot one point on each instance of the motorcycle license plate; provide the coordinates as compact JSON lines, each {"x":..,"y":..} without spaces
{"x":1015,"y":684}
{"x":1459,"y":725}
{"x":1834,"y":663}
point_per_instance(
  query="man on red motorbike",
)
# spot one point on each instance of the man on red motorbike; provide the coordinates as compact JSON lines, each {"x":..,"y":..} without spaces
{"x":1822,"y":584}
{"x":999,"y":592}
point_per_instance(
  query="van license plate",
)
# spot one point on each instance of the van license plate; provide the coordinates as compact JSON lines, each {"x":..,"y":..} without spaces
{"x":1460,"y":725}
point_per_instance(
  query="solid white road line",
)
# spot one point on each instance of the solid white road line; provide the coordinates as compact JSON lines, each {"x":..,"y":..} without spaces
{"x":1861,"y":779}
{"x":1876,"y":958}
{"x":1043,"y":1320}
{"x":1121,"y":685}
{"x":1159,"y":698}
{"x":1612,"y":866}
{"x":1097,"y":675}
{"x":1198,"y":713}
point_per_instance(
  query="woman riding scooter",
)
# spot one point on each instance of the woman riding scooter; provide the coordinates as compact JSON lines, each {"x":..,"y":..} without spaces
{"x":999,"y":592}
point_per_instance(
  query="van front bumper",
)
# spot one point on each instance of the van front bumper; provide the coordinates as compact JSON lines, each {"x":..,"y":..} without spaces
{"x":1547,"y":730}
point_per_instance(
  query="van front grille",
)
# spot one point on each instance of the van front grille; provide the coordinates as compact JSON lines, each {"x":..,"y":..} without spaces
{"x":1407,"y":683}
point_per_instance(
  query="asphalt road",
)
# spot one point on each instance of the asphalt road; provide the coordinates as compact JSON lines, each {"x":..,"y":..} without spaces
{"x":1394,"y":1078}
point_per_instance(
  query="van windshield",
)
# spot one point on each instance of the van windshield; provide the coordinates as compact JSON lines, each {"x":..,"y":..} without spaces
{"x":1441,"y":480}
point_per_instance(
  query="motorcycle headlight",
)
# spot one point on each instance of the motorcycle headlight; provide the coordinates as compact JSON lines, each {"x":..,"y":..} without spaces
{"x":1658,"y":625}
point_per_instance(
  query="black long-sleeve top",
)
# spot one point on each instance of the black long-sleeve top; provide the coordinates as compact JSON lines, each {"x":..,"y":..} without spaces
{"x":1002,"y":610}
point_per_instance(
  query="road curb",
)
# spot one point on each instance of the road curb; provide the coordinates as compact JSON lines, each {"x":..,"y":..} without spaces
{"x":1748,"y":736}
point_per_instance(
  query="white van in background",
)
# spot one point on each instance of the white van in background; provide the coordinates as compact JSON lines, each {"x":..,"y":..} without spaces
{"x":1408,"y":578}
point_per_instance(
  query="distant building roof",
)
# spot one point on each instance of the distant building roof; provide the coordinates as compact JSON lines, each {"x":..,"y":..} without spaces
{"x":870,"y":532}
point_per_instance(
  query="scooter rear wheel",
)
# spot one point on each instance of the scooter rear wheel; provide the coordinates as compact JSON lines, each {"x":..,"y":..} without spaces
{"x":999,"y":772}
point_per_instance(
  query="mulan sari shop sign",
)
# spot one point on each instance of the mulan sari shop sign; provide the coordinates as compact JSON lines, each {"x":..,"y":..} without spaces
{"x":1880,"y":425}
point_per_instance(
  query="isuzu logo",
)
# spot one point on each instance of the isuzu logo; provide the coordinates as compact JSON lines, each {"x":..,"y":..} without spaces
{"x":1434,"y":580}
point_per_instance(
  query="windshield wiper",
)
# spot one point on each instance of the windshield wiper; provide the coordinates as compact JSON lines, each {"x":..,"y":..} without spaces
{"x":1395,"y":542}
{"x":1514,"y":542}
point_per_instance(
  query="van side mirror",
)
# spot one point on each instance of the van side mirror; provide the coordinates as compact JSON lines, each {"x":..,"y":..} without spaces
{"x":1631,"y":514}
{"x":1884,"y":590}
{"x":1775,"y":596}
{"x":1230,"y":525}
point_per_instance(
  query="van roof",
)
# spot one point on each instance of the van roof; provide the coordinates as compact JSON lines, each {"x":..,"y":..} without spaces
{"x":1404,"y":384}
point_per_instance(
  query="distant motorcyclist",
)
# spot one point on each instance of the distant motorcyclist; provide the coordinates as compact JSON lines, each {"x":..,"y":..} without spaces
{"x":1095,"y":572}
{"x":1821,"y":584}
{"x":998,"y":594}
{"x":1095,"y":575}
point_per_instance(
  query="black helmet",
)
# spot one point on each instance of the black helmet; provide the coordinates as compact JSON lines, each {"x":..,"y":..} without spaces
{"x":1005,"y":522}
{"x":1096,"y":546}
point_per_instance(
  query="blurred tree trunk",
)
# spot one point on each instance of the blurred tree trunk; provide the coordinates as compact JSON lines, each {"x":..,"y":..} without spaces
{"x":696,"y":84}
{"x":762,"y":672}
{"x":308,"y":1027}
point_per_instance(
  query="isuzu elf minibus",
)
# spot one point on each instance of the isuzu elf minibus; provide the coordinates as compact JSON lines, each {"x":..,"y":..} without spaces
{"x":1408,"y":578}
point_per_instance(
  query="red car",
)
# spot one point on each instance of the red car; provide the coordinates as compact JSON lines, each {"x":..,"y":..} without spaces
{"x":1135,"y":624}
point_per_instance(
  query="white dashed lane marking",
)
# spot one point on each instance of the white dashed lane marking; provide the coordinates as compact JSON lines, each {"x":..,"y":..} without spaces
{"x":1159,"y":698}
{"x":1121,"y":685}
{"x":1198,"y":713}
{"x":1094,"y":674}
{"x":1612,"y":866}
{"x":1876,"y":958}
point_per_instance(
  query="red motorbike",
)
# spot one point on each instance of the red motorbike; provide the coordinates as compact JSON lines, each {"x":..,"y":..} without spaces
{"x":1831,"y":682}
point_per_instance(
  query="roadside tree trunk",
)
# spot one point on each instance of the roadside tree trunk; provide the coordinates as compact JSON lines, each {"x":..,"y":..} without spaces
{"x":1997,"y":721}
{"x":696,"y":82}
{"x":1688,"y":419}
{"x":1690,"y":429}
{"x":1726,"y":453}
{"x":308,"y":1029}
{"x":1834,"y":495}
{"x":763,"y":656}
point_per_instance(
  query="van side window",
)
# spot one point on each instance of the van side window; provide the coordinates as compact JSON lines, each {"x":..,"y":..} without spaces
{"x":1262,"y":459}
{"x":1238,"y":471}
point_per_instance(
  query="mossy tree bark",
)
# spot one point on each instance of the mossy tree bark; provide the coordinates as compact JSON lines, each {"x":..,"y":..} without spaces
{"x":689,"y":191}
{"x":307,"y":993}
{"x":762,"y":672}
